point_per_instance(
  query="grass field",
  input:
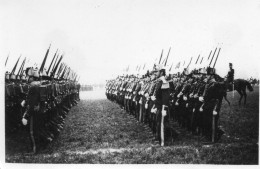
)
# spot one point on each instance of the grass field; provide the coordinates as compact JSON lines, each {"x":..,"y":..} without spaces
{"x":98,"y":131}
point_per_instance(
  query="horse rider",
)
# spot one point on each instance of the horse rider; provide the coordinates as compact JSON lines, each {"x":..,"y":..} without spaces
{"x":230,"y":76}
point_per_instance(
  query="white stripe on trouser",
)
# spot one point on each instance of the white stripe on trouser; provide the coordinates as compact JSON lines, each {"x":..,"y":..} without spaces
{"x":162,"y":125}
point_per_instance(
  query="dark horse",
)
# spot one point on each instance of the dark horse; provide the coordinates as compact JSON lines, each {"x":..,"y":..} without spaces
{"x":239,"y":85}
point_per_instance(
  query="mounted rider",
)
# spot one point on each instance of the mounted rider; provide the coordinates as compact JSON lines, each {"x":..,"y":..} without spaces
{"x":230,"y":77}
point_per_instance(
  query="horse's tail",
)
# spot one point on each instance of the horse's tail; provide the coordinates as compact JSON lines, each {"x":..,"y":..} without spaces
{"x":249,"y":87}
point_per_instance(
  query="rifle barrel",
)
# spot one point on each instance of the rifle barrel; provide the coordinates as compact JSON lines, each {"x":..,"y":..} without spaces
{"x":209,"y":54}
{"x":44,"y":59}
{"x":6,"y":59}
{"x":161,"y":57}
{"x":189,"y":63}
{"x":197,"y":59}
{"x":15,"y":65}
{"x":52,"y":62}
{"x":167,"y":57}
{"x":201,"y":60}
{"x":217,"y":57}
{"x":212,"y":57}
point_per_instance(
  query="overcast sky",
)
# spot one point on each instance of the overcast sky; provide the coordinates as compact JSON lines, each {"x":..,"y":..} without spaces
{"x":100,"y":38}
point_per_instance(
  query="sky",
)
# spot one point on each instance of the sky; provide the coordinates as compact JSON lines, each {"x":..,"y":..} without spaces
{"x":100,"y":38}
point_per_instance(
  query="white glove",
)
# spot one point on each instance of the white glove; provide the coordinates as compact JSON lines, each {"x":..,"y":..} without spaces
{"x":153,"y":98}
{"x":201,"y":99}
{"x":201,"y":109}
{"x":146,"y":105}
{"x":177,"y":103}
{"x":184,"y":98}
{"x":215,"y":112}
{"x":153,"y":110}
{"x":163,"y":113}
{"x":23,"y":103}
{"x":146,"y":95}
{"x":24,"y":121}
{"x":140,"y":101}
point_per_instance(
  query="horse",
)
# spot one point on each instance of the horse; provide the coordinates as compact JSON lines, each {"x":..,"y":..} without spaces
{"x":253,"y":82}
{"x":239,"y":85}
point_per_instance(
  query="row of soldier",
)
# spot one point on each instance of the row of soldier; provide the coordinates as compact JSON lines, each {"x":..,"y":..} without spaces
{"x":193,"y":100}
{"x":38,"y":101}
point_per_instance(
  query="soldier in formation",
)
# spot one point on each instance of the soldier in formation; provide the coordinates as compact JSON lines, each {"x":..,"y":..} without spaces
{"x":161,"y":100}
{"x":38,"y":100}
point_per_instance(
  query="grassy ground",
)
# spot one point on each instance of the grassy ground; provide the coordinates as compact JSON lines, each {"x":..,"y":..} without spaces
{"x":98,"y":131}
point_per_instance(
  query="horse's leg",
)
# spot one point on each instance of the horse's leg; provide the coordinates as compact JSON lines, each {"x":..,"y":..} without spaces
{"x":225,"y":97}
{"x":241,"y":96}
{"x":245,"y":95}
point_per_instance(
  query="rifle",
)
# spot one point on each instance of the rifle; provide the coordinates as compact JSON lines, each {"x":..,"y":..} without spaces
{"x":143,"y":67}
{"x":21,"y":67}
{"x":67,"y":74}
{"x":171,"y":67}
{"x":209,"y":54}
{"x":212,"y":57}
{"x":139,"y":68}
{"x":216,"y":58}
{"x":60,"y":68}
{"x":44,"y":60}
{"x":56,"y":66}
{"x":6,"y":59}
{"x":189,"y":63}
{"x":52,"y":62}
{"x":201,"y":60}
{"x":167,"y":57}
{"x":197,"y":59}
{"x":55,"y":63}
{"x":163,"y":61}
{"x":15,"y":65}
{"x":64,"y":70}
{"x":161,"y":57}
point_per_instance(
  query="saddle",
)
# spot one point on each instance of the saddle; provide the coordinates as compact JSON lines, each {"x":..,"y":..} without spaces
{"x":229,"y":85}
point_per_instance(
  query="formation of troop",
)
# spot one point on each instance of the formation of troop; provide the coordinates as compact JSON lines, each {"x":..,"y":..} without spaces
{"x":37,"y":99}
{"x":160,"y":99}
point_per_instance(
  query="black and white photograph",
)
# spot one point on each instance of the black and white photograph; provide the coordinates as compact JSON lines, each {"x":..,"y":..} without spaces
{"x":129,"y":82}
